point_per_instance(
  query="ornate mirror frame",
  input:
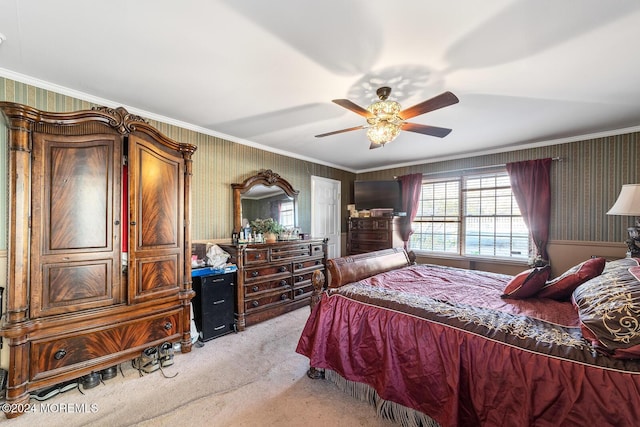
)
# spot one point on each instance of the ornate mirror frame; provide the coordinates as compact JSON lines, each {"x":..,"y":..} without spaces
{"x":264,"y":177}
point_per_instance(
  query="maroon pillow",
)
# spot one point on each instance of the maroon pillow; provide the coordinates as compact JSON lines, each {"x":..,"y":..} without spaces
{"x":527,"y":283}
{"x":563,"y":286}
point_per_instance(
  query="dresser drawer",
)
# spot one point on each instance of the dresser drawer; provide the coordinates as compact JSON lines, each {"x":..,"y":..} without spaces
{"x":304,"y":289}
{"x":253,"y":304}
{"x":317,"y":250}
{"x":258,"y":287}
{"x":307,"y":264}
{"x":63,"y":353}
{"x":302,"y":279}
{"x":290,"y":252}
{"x":370,"y":224}
{"x":266,"y":272}
{"x":364,"y":246}
{"x":373,"y":236}
{"x":256,"y":256}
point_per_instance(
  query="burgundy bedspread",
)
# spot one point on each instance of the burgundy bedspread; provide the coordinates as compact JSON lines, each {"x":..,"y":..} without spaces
{"x":443,"y":342}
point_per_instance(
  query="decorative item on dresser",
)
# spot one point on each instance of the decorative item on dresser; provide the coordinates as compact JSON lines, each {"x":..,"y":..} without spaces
{"x":274,"y":278}
{"x":372,"y":234}
{"x":98,"y":226}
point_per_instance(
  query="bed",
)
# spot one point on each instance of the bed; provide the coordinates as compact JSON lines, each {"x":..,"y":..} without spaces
{"x":433,"y":345}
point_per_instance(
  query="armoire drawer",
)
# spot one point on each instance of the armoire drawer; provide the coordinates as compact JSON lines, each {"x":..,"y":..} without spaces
{"x":82,"y":348}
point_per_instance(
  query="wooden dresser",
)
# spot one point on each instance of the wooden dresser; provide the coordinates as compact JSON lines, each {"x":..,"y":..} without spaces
{"x":274,"y":278}
{"x":372,"y":234}
{"x":87,"y":188}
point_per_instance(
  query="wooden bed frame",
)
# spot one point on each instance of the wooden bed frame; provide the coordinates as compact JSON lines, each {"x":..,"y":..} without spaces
{"x":357,"y":267}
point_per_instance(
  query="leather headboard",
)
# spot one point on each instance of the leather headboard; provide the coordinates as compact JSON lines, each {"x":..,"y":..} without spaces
{"x":357,"y":267}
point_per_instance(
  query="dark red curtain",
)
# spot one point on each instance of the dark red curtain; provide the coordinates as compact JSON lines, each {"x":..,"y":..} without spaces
{"x":411,"y":187}
{"x":531,"y":186}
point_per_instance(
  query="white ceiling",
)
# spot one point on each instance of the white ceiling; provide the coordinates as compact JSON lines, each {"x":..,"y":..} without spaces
{"x":263,"y":73}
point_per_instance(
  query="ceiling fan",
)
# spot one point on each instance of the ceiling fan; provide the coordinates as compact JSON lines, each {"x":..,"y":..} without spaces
{"x":385,"y":119}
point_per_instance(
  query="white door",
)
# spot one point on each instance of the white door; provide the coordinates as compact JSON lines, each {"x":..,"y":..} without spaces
{"x":325,"y":212}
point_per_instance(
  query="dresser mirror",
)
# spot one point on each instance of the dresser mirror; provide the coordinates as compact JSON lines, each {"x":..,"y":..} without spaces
{"x":265,"y":195}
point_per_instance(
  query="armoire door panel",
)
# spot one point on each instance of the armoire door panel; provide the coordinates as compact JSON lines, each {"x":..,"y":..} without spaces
{"x":158,"y":273}
{"x":75,"y":239}
{"x":70,"y":286}
{"x":158,"y":219}
{"x":156,"y":212}
{"x":79,"y":194}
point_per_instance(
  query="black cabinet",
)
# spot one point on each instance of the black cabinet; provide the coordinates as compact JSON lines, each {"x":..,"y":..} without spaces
{"x":213,"y":305}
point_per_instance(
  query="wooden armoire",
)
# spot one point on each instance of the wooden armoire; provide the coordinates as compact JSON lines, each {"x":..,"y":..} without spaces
{"x":98,"y":244}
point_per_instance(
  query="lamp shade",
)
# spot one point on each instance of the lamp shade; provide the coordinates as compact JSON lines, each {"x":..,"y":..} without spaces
{"x":628,"y":202}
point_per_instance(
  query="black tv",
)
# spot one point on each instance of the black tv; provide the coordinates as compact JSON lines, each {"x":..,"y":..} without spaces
{"x":378,"y":195}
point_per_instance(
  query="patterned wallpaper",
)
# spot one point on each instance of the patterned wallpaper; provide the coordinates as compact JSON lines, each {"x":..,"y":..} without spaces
{"x":585,"y":182}
{"x":216,"y":165}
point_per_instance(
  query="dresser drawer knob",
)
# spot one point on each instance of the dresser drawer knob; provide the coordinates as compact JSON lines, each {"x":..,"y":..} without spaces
{"x":168,"y":326}
{"x":300,"y":291}
{"x":300,"y":265}
{"x":300,"y":278}
{"x":258,"y":256}
{"x":317,"y":262}
{"x":255,"y":273}
{"x":255,"y":303}
{"x":282,"y":269}
{"x":255,"y":289}
{"x":60,"y":354}
{"x":283,"y":283}
{"x":284,"y":297}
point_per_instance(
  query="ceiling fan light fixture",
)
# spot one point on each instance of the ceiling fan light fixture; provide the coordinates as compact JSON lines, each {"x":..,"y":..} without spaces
{"x":385,"y":118}
{"x":384,"y":110}
{"x":385,"y":123}
{"x":383,"y":132}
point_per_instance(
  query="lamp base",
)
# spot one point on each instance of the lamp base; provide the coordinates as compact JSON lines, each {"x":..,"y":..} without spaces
{"x":633,"y":242}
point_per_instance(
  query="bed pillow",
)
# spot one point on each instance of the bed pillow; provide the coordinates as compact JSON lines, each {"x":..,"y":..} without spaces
{"x":563,"y":286}
{"x":609,"y":309}
{"x":527,"y":283}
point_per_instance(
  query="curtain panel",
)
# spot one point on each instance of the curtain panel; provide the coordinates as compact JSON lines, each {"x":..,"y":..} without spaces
{"x":531,"y":186}
{"x":411,"y":187}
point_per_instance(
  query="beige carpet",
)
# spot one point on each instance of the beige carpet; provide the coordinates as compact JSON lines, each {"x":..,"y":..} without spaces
{"x":253,"y":378}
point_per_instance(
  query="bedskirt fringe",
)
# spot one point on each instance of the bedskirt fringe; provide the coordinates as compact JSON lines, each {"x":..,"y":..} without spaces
{"x":385,"y":409}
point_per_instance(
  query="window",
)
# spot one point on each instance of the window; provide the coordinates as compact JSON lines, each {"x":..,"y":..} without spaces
{"x":286,"y":214}
{"x":471,"y":215}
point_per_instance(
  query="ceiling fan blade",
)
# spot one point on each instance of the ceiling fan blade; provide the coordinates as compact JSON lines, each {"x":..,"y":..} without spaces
{"x":426,"y":130}
{"x":435,"y":103}
{"x":339,"y":131}
{"x":353,"y":107}
{"x":374,"y":145}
